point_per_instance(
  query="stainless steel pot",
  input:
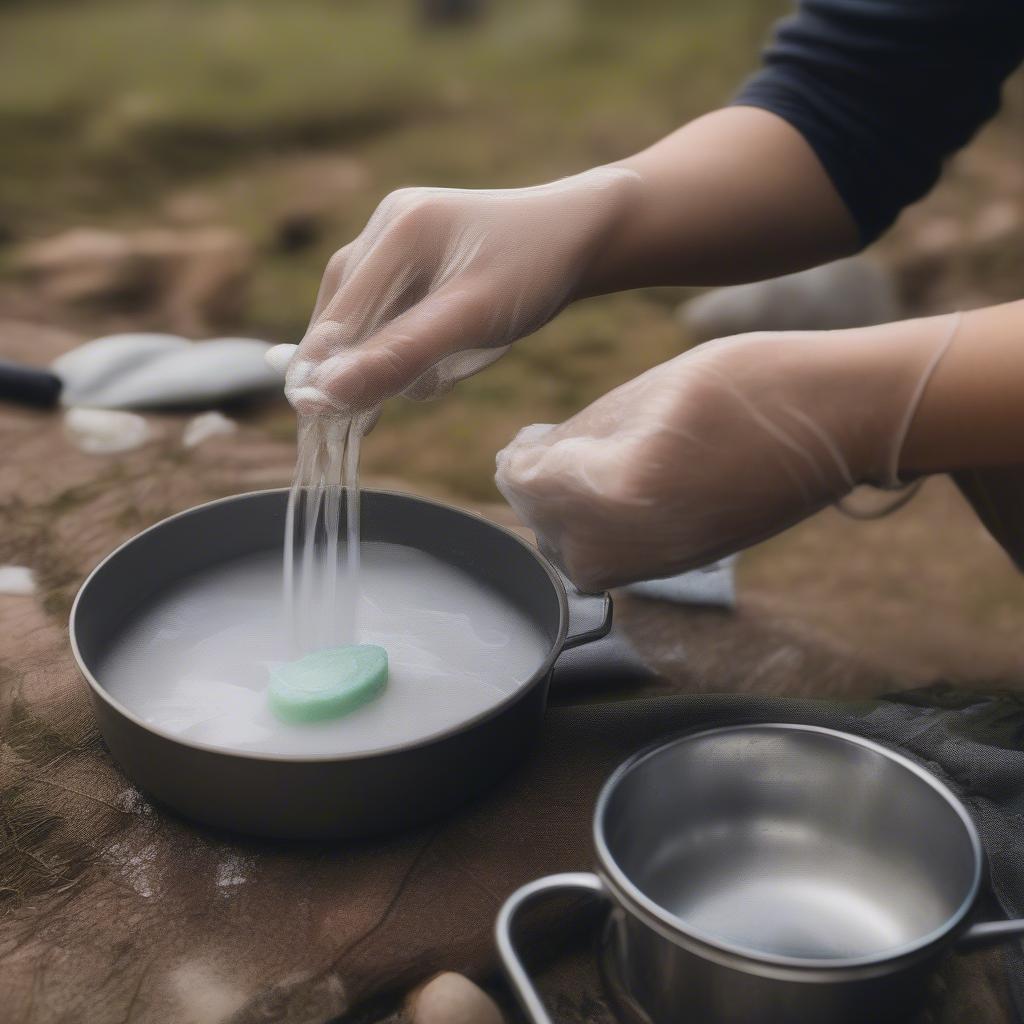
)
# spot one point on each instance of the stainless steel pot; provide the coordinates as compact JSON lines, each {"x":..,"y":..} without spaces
{"x":380,"y":791}
{"x":774,"y":874}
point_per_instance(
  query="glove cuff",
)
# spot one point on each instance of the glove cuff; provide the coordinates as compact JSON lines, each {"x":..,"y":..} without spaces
{"x":892,"y":479}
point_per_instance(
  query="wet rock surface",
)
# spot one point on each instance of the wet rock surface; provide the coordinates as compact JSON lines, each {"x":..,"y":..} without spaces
{"x":189,"y":279}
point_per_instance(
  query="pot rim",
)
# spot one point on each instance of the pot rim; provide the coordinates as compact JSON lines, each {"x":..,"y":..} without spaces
{"x":100,"y":693}
{"x":676,"y":930}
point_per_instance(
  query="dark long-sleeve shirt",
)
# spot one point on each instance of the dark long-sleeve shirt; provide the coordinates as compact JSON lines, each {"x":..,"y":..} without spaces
{"x":885,"y":90}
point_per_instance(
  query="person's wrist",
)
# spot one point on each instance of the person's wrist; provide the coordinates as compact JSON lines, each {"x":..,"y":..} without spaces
{"x":619,"y":195}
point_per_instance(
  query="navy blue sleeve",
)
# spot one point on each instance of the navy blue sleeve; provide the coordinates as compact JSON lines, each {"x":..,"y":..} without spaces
{"x":885,"y":90}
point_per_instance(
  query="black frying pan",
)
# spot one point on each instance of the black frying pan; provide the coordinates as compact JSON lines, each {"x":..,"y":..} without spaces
{"x":356,"y":795}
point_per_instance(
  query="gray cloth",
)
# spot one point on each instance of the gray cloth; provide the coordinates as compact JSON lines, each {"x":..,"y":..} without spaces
{"x":713,"y":586}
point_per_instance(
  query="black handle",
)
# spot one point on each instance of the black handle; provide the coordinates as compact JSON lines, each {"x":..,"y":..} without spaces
{"x":988,"y":933}
{"x":29,"y":385}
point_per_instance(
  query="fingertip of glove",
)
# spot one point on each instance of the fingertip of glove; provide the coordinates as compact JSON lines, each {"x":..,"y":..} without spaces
{"x":279,"y":356}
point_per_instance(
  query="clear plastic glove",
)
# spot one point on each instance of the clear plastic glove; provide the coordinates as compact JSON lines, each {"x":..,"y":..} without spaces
{"x":717,"y":449}
{"x":442,"y":281}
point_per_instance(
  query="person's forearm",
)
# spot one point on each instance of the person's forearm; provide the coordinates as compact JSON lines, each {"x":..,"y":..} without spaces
{"x":971,"y":414}
{"x":736,"y":195}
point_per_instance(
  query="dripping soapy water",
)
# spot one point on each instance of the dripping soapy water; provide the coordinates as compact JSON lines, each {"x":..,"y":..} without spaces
{"x":321,"y":594}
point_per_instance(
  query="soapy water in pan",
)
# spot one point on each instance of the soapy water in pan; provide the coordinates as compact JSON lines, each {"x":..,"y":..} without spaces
{"x":196,"y":662}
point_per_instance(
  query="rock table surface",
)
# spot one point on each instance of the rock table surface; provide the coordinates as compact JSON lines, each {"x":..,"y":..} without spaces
{"x":112,"y":909}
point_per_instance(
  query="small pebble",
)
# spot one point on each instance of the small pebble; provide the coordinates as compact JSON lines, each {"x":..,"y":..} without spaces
{"x":204,"y":426}
{"x":453,"y":999}
{"x":17,"y":580}
{"x":104,"y":431}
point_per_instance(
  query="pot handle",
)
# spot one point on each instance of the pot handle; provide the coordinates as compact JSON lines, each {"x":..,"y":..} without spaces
{"x":28,"y":385}
{"x":988,"y":933}
{"x":522,"y":986}
{"x":590,"y":615}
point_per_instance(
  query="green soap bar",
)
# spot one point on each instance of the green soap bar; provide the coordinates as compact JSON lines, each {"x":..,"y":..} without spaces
{"x":328,"y":684}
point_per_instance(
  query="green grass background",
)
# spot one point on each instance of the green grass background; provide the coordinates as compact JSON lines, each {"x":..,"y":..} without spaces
{"x":111,"y":108}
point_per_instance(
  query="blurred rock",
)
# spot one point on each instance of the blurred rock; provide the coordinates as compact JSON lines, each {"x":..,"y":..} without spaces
{"x":34,"y":344}
{"x":114,"y":123}
{"x":186,"y":279}
{"x":944,"y":262}
{"x":314,"y":191}
{"x":998,"y":221}
{"x":105,"y":432}
{"x":17,"y":581}
{"x":298,"y":230}
{"x":939,"y":236}
{"x":192,"y":208}
{"x":453,"y":999}
{"x":206,"y":425}
{"x":848,"y":293}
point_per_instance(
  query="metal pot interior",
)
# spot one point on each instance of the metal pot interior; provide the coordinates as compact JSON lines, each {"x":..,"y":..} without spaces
{"x":789,"y":844}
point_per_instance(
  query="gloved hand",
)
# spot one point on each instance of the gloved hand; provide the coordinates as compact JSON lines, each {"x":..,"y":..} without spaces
{"x":718,"y":448}
{"x":441,"y":281}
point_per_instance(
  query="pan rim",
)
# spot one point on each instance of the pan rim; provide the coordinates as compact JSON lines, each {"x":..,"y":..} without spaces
{"x":540,"y":674}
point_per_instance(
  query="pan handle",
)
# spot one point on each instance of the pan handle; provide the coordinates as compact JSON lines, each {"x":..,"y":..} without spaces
{"x":28,"y":385}
{"x":522,"y":986}
{"x":988,"y":933}
{"x":590,"y":615}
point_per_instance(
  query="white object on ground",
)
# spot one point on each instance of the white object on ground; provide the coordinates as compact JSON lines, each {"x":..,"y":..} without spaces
{"x":713,"y":586}
{"x":206,"y":425}
{"x":152,"y":371}
{"x":453,"y":999}
{"x":105,"y":431}
{"x":203,"y":373}
{"x":93,"y":366}
{"x":17,"y":581}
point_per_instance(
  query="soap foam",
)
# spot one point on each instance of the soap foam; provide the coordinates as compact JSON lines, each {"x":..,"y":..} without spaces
{"x":196,"y":663}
